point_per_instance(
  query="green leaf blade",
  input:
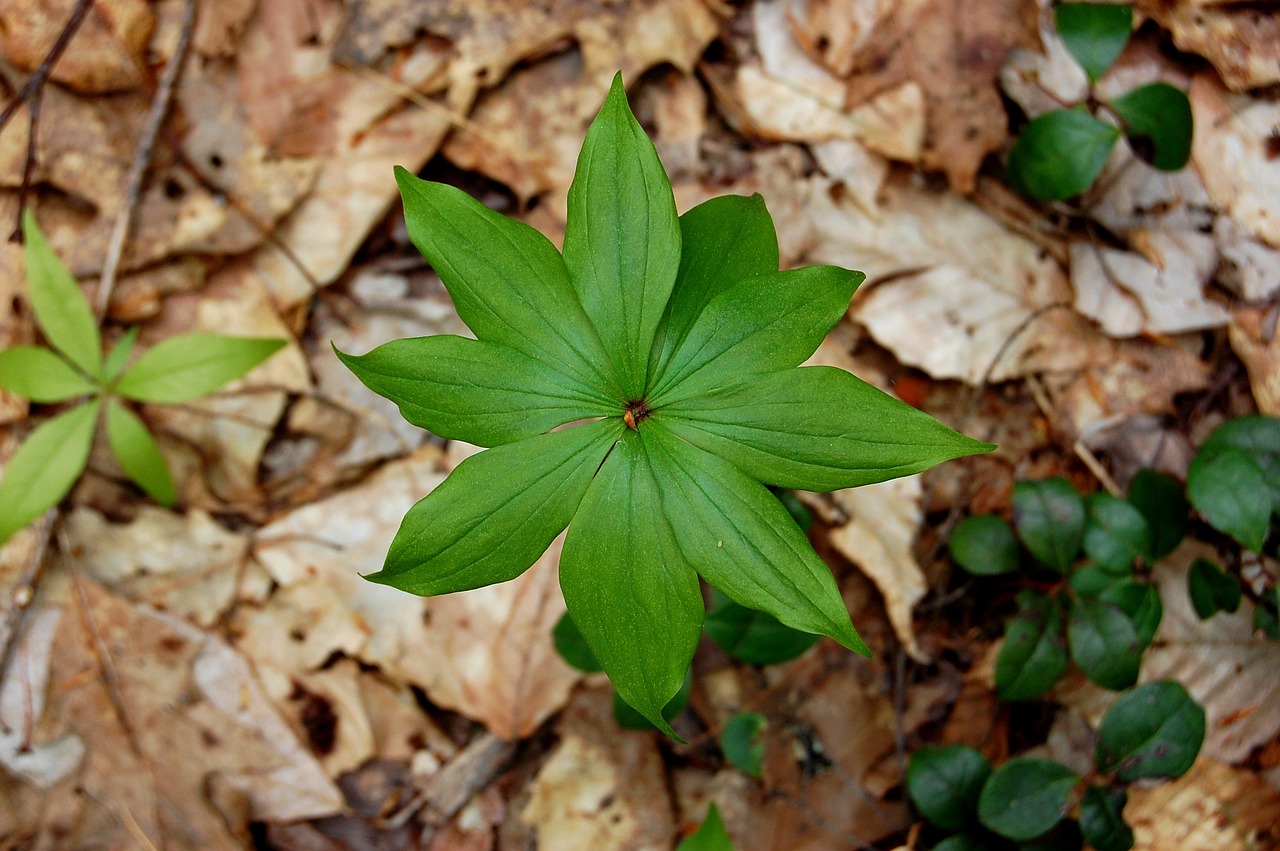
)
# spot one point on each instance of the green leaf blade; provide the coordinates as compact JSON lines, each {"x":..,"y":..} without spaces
{"x":1226,"y":488}
{"x":1094,"y":33}
{"x":572,"y":647}
{"x":1140,"y":603}
{"x":1259,"y":438}
{"x":1166,"y":510}
{"x":496,"y":513}
{"x":1102,"y":820}
{"x":61,"y":310}
{"x":119,"y":355}
{"x":138,"y":453}
{"x":484,"y":393}
{"x":945,"y":784}
{"x":738,"y":536}
{"x":1153,"y":731}
{"x":1060,"y":154}
{"x":1050,"y":519}
{"x":627,"y":716}
{"x":36,"y":373}
{"x":45,"y":467}
{"x":1033,"y":654}
{"x":1158,"y":122}
{"x":1104,"y":643}
{"x":1025,"y":798}
{"x":627,"y":585}
{"x":622,"y":237}
{"x":711,"y":836}
{"x":741,"y":744}
{"x":757,"y":638}
{"x":816,"y":428}
{"x":1115,"y":532}
{"x":1211,"y":590}
{"x":984,"y":545}
{"x":508,"y":283}
{"x":189,"y":366}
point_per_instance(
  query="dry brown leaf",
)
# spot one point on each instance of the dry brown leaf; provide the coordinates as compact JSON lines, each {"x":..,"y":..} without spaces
{"x":219,"y":25}
{"x":1253,"y":338}
{"x":1248,"y":268}
{"x":601,"y":789}
{"x":1233,"y":149}
{"x":1241,"y":41}
{"x":109,"y":52}
{"x":1213,"y":807}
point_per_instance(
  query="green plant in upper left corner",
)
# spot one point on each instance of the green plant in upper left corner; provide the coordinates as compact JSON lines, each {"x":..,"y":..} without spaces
{"x":53,"y":456}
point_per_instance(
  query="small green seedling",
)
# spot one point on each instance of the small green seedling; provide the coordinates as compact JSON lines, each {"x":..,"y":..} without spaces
{"x":638,"y":388}
{"x":53,"y":456}
{"x":1061,"y":153}
{"x":711,"y":836}
{"x":1153,"y":731}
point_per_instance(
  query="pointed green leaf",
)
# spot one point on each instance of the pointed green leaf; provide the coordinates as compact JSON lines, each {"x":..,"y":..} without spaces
{"x":45,"y":467}
{"x":1161,"y":502}
{"x":1102,"y":820}
{"x":740,"y":742}
{"x":1229,"y":489}
{"x":628,"y":586}
{"x":483,"y":393}
{"x":1153,"y":731}
{"x":1157,"y":121}
{"x":189,"y":366}
{"x":572,"y":647}
{"x":508,"y":282}
{"x":61,"y":310}
{"x":36,"y":373}
{"x":984,"y":545}
{"x":945,"y":782}
{"x":1091,"y":579}
{"x":627,"y":716}
{"x":1033,"y":654}
{"x":816,"y":428}
{"x":1050,"y":518}
{"x":757,"y":638}
{"x":118,"y":357}
{"x":723,"y":241}
{"x":1104,"y":643}
{"x":622,"y":237}
{"x":1025,"y":798}
{"x":1140,"y":603}
{"x":1060,"y":154}
{"x":1211,"y":590}
{"x":763,"y":324}
{"x":1115,"y":533}
{"x":1095,"y":33}
{"x":741,"y":540}
{"x":711,"y":836}
{"x":138,"y":453}
{"x":496,"y":513}
{"x":1255,"y":436}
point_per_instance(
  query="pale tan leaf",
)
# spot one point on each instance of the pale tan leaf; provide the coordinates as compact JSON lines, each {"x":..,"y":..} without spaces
{"x":1213,"y":807}
{"x":109,"y":54}
{"x":1258,"y":347}
{"x":1241,"y":42}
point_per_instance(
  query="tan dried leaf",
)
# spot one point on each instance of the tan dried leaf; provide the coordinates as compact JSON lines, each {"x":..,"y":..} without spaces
{"x":1257,"y":345}
{"x":1213,"y":807}
{"x":109,"y":51}
{"x":1242,"y":42}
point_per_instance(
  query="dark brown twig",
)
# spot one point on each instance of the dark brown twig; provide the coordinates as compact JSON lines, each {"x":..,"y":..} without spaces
{"x":142,"y":158}
{"x":30,"y":95}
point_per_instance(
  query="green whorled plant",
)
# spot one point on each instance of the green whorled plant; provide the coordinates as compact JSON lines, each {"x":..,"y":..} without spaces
{"x":637,"y":389}
{"x":179,"y":369}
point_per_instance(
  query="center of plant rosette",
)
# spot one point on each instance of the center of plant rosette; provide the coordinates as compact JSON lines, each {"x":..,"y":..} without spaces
{"x":637,"y":412}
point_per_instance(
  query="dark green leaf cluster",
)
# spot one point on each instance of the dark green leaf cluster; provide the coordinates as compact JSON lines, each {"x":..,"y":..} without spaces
{"x":641,"y":388}
{"x":53,"y":456}
{"x":1153,"y":731}
{"x":1061,"y":153}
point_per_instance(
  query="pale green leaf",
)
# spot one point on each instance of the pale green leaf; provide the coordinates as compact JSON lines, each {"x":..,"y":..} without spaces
{"x":627,"y":585}
{"x":45,"y":467}
{"x":815,"y":428}
{"x":36,"y":373}
{"x":483,"y":393}
{"x":189,"y":366}
{"x":61,"y":310}
{"x":119,"y":355}
{"x":622,"y":237}
{"x":138,"y":454}
{"x":497,"y":512}
{"x":742,"y":540}
{"x":508,"y":282}
{"x":711,"y":836}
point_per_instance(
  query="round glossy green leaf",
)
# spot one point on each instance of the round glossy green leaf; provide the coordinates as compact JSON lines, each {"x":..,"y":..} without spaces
{"x":1050,"y":518}
{"x":1102,"y":820}
{"x":740,"y":741}
{"x":1158,"y":124}
{"x":1104,"y":643}
{"x":944,"y":783}
{"x":1211,"y":590}
{"x":1141,"y":604}
{"x":1060,"y":154}
{"x":1230,"y":490}
{"x":1255,"y":436}
{"x":1025,"y":798}
{"x":1161,"y":502}
{"x":984,"y":545}
{"x":138,"y":453}
{"x":711,"y":836}
{"x":627,"y":716}
{"x":572,"y":647}
{"x":751,"y":636}
{"x":1115,"y":533}
{"x":1094,"y":33}
{"x":1153,"y":731}
{"x":1033,"y":654}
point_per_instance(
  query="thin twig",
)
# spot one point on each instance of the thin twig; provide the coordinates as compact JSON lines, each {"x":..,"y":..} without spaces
{"x":30,"y":95}
{"x":142,"y":157}
{"x":32,"y":160}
